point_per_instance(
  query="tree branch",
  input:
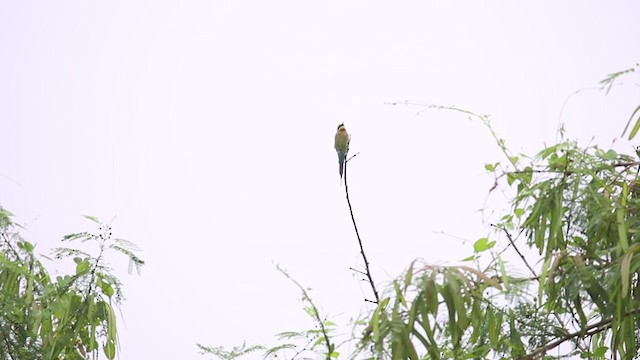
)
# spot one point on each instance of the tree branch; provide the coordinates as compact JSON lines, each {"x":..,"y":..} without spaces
{"x":588,"y":331}
{"x":364,"y":256}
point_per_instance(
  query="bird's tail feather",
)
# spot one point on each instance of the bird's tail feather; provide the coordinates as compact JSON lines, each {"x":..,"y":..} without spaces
{"x":341,"y":171}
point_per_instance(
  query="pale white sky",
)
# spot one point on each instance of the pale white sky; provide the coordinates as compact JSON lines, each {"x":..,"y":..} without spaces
{"x":206,"y":128}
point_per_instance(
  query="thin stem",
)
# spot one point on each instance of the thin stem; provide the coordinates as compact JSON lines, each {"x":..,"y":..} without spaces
{"x":364,"y":256}
{"x":513,"y":245}
{"x":483,"y":118}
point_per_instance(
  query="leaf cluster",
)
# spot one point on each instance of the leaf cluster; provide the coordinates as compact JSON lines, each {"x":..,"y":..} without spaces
{"x":66,"y":317}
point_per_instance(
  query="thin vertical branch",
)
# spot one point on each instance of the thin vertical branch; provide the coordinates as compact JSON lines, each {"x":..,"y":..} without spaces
{"x":364,"y":256}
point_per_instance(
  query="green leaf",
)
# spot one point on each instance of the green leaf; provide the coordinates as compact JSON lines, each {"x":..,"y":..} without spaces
{"x":431,"y":294}
{"x":107,"y":289}
{"x":518,"y":212}
{"x":408,"y":276}
{"x":493,"y":329}
{"x":543,"y":278}
{"x":451,"y":307}
{"x":110,"y":350}
{"x":503,"y":272}
{"x":480,"y":245}
{"x":546,"y":152}
{"x":27,"y":246}
{"x":622,"y":229}
{"x":609,"y":155}
{"x":625,"y":264}
{"x":490,"y":167}
{"x":92,"y":218}
{"x":636,"y":127}
{"x":73,"y":236}
{"x":82,"y":267}
{"x":600,"y":351}
{"x":517,"y":347}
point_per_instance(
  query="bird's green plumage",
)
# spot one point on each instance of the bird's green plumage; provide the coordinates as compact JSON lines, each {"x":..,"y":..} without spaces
{"x":342,"y":146}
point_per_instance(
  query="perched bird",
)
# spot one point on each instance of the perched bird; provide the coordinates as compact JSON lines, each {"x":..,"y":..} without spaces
{"x":342,"y":146}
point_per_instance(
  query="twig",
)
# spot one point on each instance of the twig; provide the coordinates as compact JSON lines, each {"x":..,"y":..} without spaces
{"x":518,"y":251}
{"x":305,"y":348}
{"x":364,"y":256}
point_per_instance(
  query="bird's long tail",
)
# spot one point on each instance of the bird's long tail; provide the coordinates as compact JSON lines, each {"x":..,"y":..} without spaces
{"x":341,"y":160}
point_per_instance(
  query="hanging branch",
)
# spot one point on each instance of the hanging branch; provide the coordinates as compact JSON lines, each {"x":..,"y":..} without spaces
{"x":364,"y":256}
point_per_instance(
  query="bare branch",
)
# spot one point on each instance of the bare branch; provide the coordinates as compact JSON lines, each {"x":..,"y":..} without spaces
{"x":364,"y":256}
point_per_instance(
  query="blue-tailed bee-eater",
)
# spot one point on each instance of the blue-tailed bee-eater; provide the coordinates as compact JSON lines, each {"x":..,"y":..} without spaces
{"x":342,"y":147}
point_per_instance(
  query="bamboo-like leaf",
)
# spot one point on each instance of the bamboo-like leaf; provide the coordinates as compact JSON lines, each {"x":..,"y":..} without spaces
{"x":476,"y":320}
{"x":517,"y":347}
{"x":92,"y":218}
{"x":451,"y":307}
{"x":408,"y":276}
{"x":625,"y":277}
{"x":627,"y":348}
{"x":635,"y":128}
{"x":493,"y":329}
{"x":413,"y":313}
{"x":399,"y":295}
{"x":555,"y":214}
{"x":431,"y":294}
{"x":622,"y":229}
{"x":425,"y":324}
{"x":543,"y":279}
{"x":583,"y":318}
{"x":461,"y":309}
{"x":375,"y":321}
{"x":110,"y":350}
{"x":503,"y":272}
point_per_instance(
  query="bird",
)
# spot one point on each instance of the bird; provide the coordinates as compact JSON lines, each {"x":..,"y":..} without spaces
{"x":342,"y":147}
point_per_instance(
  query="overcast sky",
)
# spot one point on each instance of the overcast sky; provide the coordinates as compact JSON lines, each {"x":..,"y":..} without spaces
{"x":206,"y":128}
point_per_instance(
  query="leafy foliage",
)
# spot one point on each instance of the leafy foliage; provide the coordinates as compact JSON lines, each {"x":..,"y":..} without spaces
{"x":69,"y":317}
{"x":578,"y":209}
{"x":573,"y":224}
